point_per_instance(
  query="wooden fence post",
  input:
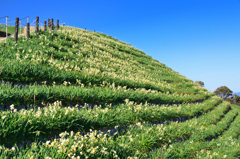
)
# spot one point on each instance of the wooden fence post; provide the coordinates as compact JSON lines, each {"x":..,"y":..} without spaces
{"x":37,"y":25}
{"x":49,"y":24}
{"x":52,"y":25}
{"x":57,"y":24}
{"x":28,"y":30}
{"x":45,"y":26}
{"x":16,"y":30}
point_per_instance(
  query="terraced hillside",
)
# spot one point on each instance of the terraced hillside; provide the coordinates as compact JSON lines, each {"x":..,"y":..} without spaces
{"x":73,"y":93}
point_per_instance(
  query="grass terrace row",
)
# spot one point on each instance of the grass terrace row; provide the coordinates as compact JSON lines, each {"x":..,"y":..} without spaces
{"x":222,"y":143}
{"x":25,"y":124}
{"x":37,"y":94}
{"x":182,"y":148}
{"x":134,"y":141}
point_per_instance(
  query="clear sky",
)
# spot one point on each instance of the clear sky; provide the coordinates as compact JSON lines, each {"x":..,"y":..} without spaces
{"x":200,"y":39}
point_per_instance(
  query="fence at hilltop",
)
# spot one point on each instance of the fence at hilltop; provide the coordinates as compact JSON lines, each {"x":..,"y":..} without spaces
{"x":27,"y":27}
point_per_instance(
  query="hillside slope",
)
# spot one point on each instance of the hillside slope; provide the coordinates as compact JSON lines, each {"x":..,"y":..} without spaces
{"x":140,"y":107}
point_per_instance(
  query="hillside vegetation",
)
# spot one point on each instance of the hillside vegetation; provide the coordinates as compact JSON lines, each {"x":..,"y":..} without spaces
{"x":11,"y":29}
{"x":88,"y":95}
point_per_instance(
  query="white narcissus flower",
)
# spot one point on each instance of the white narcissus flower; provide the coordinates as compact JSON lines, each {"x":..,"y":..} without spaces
{"x":13,"y":148}
{"x":12,"y":107}
{"x":37,"y":133}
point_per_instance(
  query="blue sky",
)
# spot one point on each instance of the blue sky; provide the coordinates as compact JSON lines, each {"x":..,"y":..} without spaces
{"x":200,"y":39}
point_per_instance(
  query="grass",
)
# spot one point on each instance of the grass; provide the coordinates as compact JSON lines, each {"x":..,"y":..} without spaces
{"x":97,"y":97}
{"x":11,"y":29}
{"x":236,"y":107}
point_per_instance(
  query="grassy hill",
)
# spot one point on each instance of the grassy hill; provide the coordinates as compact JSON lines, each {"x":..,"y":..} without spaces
{"x":11,"y":29}
{"x":88,"y":95}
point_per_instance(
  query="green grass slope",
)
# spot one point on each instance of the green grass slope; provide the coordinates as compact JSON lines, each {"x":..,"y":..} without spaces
{"x":92,"y":96}
{"x":11,"y":29}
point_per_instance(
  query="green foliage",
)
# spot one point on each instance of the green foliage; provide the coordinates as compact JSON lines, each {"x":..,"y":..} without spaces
{"x":143,"y":109}
{"x":235,"y":99}
{"x":54,"y":120}
{"x":56,"y":57}
{"x":79,"y":94}
{"x":223,"y":92}
{"x":200,"y":82}
{"x":11,"y":29}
